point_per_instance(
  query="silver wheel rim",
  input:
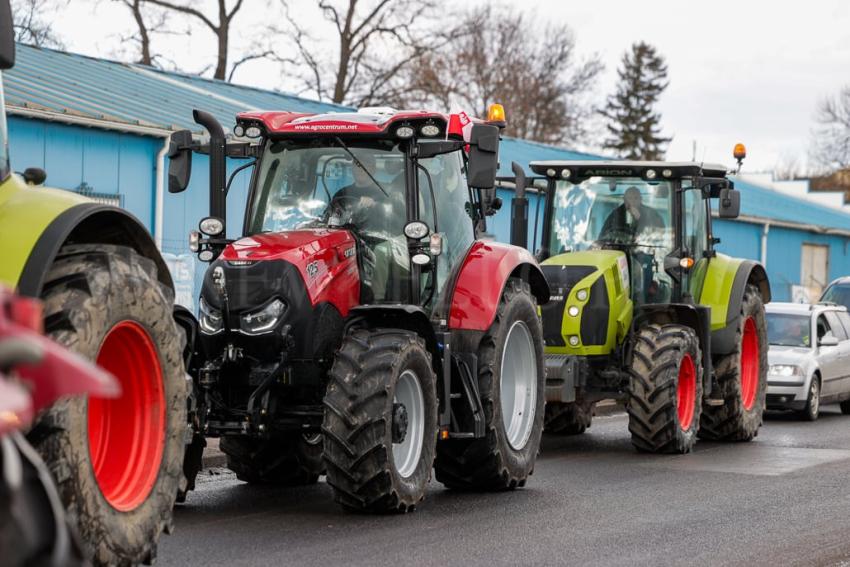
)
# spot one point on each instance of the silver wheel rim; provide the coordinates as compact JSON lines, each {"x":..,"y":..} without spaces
{"x":408,"y":393}
{"x":518,"y":385}
{"x":815,"y":396}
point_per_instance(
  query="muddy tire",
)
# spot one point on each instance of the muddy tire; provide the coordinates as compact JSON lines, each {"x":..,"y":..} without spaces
{"x":117,"y":463}
{"x":510,"y":354}
{"x":380,"y":422}
{"x":288,"y":461}
{"x":742,"y":377}
{"x":572,"y":418}
{"x":665,"y":389}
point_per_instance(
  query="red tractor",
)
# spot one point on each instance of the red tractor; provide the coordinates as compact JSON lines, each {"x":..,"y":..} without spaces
{"x":358,"y":327}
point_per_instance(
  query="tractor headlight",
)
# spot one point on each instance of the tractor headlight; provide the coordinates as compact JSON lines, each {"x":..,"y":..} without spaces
{"x":574,"y":340}
{"x":785,"y":370}
{"x":211,"y":226}
{"x":264,"y":319}
{"x":416,"y":230}
{"x":210,"y":321}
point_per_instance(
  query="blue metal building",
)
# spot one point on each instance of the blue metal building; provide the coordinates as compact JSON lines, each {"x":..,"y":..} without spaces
{"x":101,"y":128}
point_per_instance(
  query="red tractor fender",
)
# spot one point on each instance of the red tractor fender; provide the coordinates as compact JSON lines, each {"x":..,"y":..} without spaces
{"x":481,"y":281}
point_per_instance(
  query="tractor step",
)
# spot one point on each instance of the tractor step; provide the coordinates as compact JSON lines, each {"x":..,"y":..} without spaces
{"x":714,"y":402}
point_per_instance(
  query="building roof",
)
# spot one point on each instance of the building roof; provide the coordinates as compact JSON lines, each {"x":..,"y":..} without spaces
{"x":59,"y":85}
{"x":55,"y":85}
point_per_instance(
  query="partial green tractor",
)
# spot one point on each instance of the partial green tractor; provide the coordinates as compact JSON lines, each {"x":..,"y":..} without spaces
{"x":108,"y":296}
{"x":643,"y":309}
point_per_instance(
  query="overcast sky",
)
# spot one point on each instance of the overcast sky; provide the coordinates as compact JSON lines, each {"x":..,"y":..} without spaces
{"x":751,"y":71}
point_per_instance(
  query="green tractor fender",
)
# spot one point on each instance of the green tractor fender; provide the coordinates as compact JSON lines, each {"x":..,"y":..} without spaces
{"x":723,"y":289}
{"x":35,"y":222}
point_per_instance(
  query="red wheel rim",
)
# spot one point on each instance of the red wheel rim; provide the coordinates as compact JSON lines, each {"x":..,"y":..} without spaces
{"x":749,"y":363}
{"x":686,"y":392}
{"x":127,"y":434}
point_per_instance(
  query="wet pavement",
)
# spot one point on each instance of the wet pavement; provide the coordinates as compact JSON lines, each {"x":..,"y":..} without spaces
{"x":781,"y":499}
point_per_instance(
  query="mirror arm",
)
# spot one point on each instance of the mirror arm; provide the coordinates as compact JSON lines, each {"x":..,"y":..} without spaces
{"x":235,"y":172}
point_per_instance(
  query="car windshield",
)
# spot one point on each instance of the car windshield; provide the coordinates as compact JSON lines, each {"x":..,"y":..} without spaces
{"x":786,"y":329}
{"x":313,"y":186}
{"x":839,"y":294}
{"x":603,"y":211}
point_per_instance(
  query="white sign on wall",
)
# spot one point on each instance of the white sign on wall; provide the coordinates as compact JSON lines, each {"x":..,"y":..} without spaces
{"x":182,"y":268}
{"x":800,"y":294}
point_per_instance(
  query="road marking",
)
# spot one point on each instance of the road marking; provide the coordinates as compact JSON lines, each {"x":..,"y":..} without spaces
{"x":760,"y":460}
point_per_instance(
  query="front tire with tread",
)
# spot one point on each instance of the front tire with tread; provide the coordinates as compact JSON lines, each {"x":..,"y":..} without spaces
{"x":87,"y":292}
{"x":491,"y":462}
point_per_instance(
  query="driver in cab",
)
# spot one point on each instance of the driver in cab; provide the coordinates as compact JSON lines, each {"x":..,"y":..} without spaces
{"x":631,"y":220}
{"x":377,"y":213}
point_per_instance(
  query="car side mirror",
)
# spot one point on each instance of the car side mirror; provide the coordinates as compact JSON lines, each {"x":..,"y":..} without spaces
{"x":179,"y":161}
{"x":729,"y":206}
{"x":828,"y":340}
{"x":483,"y":156}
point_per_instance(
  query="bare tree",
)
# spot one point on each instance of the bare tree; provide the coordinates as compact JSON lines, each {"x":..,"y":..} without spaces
{"x":220,"y":25}
{"x":374,"y":40}
{"x":30,"y":23}
{"x":831,"y":144}
{"x":149,"y":23}
{"x":500,"y":55}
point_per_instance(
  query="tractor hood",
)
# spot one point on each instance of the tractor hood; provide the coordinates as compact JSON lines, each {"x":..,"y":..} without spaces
{"x":594,"y":285}
{"x":295,"y":246}
{"x":318,"y":263}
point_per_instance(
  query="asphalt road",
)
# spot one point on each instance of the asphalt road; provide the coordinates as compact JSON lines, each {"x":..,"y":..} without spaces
{"x":783,"y":499}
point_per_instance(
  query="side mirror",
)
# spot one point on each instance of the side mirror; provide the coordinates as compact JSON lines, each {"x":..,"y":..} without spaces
{"x":828,"y":340}
{"x":179,"y":161}
{"x":34,"y":176}
{"x":7,"y":36}
{"x":483,"y":156}
{"x":729,"y":205}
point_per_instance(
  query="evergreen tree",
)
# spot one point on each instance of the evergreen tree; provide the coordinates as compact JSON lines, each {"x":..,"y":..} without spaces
{"x":633,"y":125}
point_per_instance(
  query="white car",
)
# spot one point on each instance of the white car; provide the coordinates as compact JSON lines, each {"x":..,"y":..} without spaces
{"x":809,"y":357}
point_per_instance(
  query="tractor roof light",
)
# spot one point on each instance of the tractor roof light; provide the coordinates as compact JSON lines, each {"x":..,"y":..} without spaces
{"x":430,"y":130}
{"x":496,"y":113}
{"x":565,"y":173}
{"x":551,"y":172}
{"x":405,"y":132}
{"x":651,"y":174}
{"x":239,"y":131}
{"x":667,"y":173}
{"x":253,"y":132}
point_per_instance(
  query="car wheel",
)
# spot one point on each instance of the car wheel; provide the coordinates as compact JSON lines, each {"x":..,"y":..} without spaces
{"x":812,"y":409}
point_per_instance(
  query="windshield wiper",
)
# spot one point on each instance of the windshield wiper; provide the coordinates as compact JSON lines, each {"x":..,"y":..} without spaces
{"x":360,"y":165}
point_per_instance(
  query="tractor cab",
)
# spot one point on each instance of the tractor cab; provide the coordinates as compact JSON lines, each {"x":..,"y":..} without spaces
{"x":656,"y":213}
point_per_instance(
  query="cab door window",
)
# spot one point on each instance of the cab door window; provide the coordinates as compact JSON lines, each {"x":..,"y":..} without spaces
{"x":835,"y":326}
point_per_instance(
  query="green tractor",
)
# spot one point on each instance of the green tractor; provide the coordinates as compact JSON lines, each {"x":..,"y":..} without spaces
{"x":108,"y":296}
{"x":644,"y":310}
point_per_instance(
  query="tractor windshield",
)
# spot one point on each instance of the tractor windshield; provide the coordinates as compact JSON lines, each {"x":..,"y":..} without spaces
{"x":629,"y":214}
{"x":311,"y":186}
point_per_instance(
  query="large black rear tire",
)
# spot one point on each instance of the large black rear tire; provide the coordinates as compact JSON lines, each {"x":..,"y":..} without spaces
{"x":103,"y":301}
{"x":742,"y":378}
{"x":572,"y":418}
{"x":380,"y":422}
{"x":493,"y":462}
{"x":293,"y":460}
{"x":665,"y":389}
